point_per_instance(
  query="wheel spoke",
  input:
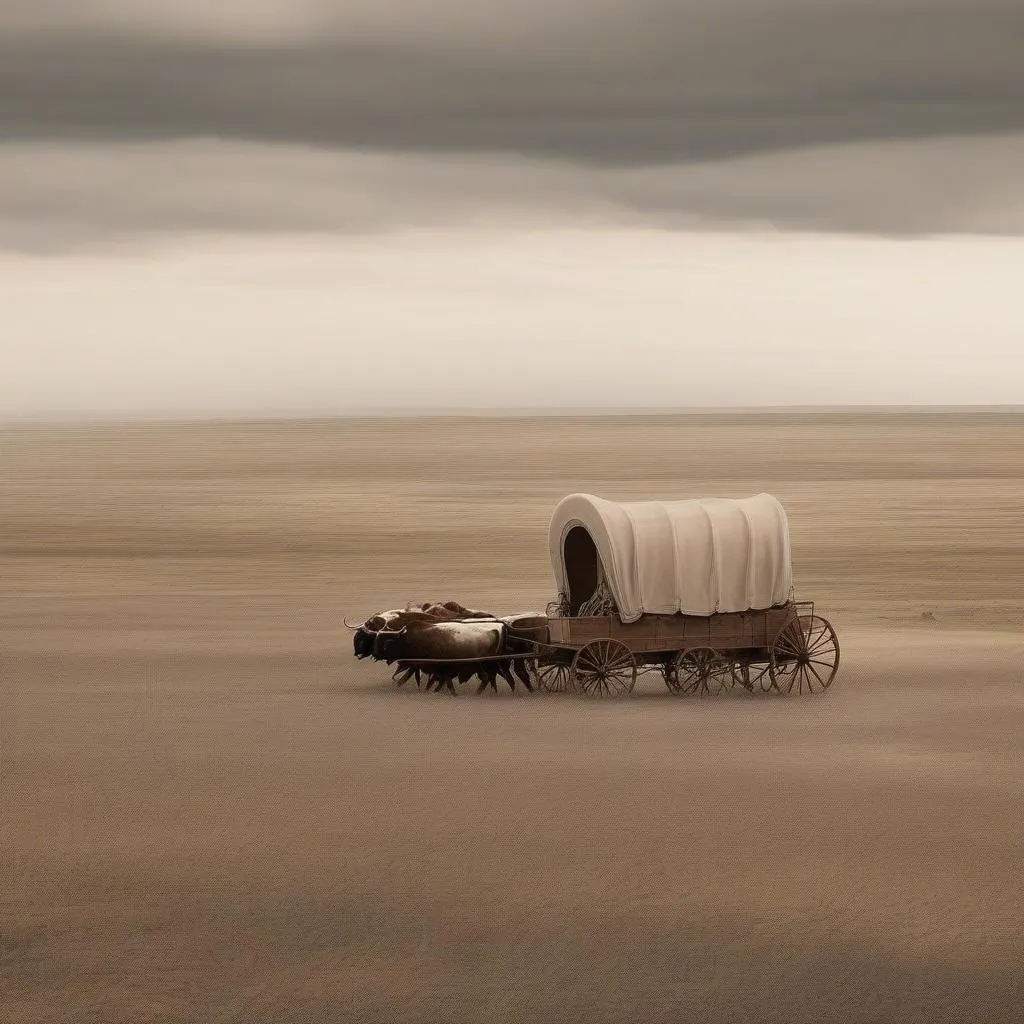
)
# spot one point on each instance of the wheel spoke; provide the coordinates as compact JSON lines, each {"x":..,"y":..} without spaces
{"x":822,"y":642}
{"x":787,"y":645}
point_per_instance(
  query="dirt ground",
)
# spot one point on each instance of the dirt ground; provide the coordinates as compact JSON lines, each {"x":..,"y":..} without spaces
{"x":213,"y":813}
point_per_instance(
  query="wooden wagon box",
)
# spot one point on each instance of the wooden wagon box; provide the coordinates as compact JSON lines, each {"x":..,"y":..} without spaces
{"x":724,"y":630}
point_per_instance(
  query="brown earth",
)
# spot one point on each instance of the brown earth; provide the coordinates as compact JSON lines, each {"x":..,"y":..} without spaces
{"x":212,"y":812}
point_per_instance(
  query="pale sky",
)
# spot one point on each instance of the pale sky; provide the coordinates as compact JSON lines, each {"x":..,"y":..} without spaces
{"x":314,"y":207}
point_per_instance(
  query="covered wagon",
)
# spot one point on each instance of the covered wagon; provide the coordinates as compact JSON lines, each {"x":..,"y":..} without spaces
{"x":698,"y":589}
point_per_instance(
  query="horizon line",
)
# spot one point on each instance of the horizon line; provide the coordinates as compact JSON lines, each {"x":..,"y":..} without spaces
{"x":509,"y":412}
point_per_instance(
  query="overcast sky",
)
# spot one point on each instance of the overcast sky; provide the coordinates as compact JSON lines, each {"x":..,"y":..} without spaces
{"x":270,"y":206}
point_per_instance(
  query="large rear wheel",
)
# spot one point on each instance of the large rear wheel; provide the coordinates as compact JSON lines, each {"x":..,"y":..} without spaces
{"x":805,"y":656}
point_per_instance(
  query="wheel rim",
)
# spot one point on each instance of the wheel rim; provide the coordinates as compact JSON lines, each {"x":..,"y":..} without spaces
{"x":699,"y":671}
{"x":805,"y":656}
{"x":553,"y":676}
{"x":604,"y":668}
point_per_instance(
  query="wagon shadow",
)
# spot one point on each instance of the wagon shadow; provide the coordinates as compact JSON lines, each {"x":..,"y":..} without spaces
{"x":734,"y":696}
{"x":409,"y":691}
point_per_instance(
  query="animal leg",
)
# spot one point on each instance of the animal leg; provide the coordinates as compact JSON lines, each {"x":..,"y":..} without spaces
{"x":490,"y":676}
{"x":506,"y":675}
{"x":520,"y":669}
{"x":401,"y":675}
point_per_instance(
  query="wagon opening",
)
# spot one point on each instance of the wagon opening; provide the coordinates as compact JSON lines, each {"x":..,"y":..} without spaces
{"x":587,"y":591}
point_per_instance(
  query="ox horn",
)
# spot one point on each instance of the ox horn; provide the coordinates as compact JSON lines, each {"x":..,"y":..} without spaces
{"x":348,"y":625}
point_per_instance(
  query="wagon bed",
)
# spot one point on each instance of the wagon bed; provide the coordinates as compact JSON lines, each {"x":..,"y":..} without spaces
{"x":652,"y":634}
{"x":784,"y":648}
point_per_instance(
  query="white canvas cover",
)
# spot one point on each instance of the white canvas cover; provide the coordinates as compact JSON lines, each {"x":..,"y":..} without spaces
{"x":696,"y":556}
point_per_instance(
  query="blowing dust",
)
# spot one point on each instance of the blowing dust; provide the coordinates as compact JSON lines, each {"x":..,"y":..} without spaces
{"x":212,"y":811}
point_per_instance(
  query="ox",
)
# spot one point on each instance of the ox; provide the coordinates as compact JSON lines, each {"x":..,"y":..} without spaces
{"x":387,"y":634}
{"x":365,"y":635}
{"x":395,"y":618}
{"x":400,"y":623}
{"x":445,"y":645}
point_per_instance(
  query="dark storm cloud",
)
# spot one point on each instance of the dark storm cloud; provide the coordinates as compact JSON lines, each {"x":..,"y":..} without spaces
{"x":121,"y":119}
{"x":609,"y":84}
{"x":55,"y":196}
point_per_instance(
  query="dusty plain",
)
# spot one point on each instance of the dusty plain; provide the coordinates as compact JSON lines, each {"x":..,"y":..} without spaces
{"x":211,"y":812}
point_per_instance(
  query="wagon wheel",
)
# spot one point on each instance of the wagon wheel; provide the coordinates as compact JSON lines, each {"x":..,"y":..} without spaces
{"x":805,"y":656}
{"x":752,"y":676}
{"x":700,"y":670}
{"x":604,"y":668}
{"x":552,"y":676}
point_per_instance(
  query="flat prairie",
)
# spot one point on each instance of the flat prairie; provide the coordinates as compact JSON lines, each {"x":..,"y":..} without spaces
{"x":212,"y":812}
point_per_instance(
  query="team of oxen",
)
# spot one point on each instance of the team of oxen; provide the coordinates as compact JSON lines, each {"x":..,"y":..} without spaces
{"x":440,"y":644}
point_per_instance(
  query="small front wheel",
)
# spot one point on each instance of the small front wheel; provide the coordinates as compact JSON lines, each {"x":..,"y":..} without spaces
{"x":604,"y":668}
{"x":553,"y":676}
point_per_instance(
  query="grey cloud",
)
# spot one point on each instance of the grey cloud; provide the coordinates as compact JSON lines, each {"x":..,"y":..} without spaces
{"x":369,"y":115}
{"x":616,"y":85}
{"x":56,"y":197}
